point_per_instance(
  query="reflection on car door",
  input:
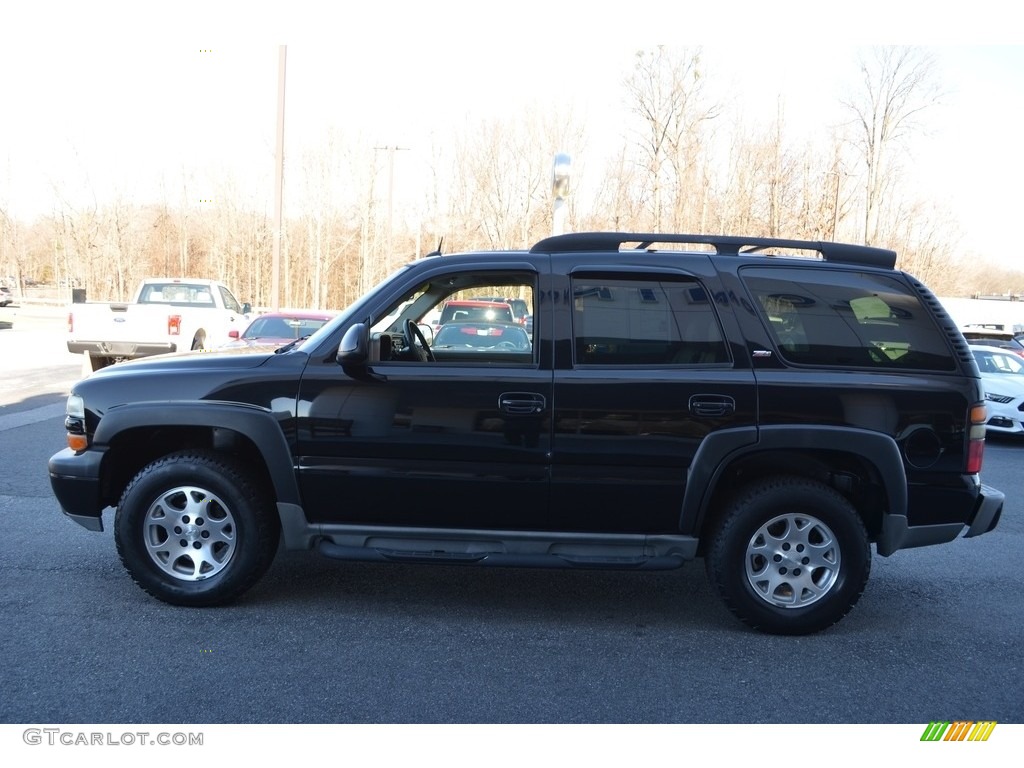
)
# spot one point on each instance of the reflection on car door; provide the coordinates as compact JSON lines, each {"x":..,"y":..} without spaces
{"x":646,"y":378}
{"x":422,"y":443}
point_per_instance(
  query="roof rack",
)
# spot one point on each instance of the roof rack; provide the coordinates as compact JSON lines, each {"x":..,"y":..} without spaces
{"x":842,"y":253}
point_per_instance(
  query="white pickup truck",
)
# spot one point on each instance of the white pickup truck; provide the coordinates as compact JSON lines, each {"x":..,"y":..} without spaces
{"x":168,"y":315}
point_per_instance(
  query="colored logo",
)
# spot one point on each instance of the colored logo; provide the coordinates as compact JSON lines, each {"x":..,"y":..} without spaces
{"x":959,"y":731}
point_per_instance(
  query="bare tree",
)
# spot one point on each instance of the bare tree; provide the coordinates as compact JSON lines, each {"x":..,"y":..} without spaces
{"x":503,"y":168}
{"x":666,"y":92}
{"x":897,"y":84}
{"x":123,"y":245}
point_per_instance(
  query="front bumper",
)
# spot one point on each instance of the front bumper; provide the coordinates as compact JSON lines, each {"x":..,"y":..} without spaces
{"x":75,"y":479}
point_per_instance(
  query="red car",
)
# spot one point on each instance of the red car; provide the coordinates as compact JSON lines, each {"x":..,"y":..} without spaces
{"x":275,"y":329}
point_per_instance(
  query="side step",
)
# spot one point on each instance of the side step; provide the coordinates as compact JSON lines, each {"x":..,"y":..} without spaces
{"x":531,"y":549}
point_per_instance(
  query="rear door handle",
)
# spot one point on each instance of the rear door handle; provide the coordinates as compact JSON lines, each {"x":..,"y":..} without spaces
{"x":521,"y":403}
{"x":712,"y":405}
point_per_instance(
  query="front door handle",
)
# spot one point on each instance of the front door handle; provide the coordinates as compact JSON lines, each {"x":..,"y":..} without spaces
{"x":521,"y":403}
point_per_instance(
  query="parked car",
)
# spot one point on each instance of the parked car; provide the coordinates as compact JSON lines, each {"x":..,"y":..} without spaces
{"x":993,"y":336}
{"x":275,"y":329}
{"x":521,"y":310}
{"x":685,"y":396}
{"x":470,"y":310}
{"x":520,"y":307}
{"x":177,"y":314}
{"x":473,"y":337}
{"x":476,"y":310}
{"x":5,"y":296}
{"x":1002,"y":376}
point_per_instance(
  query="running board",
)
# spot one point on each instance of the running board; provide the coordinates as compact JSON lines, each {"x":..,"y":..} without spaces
{"x":510,"y":548}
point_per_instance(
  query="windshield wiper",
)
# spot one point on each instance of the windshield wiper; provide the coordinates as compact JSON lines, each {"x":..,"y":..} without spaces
{"x":291,"y":344}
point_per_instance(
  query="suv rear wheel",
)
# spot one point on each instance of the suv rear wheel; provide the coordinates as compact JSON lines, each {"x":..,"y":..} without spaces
{"x":193,"y":528}
{"x":789,"y":556}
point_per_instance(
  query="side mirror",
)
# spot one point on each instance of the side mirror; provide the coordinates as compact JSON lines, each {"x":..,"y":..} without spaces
{"x":428,"y":332}
{"x":353,"y":354}
{"x":246,"y":308}
{"x":354,"y":347}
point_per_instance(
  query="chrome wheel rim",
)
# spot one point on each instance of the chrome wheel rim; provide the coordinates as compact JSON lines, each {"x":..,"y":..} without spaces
{"x":792,"y":561}
{"x":190,"y":533}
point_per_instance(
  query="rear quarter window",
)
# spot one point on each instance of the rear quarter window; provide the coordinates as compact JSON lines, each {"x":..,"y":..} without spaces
{"x":840,"y":318}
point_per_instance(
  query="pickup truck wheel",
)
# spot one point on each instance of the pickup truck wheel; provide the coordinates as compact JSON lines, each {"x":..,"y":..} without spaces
{"x":789,"y":556}
{"x":195,"y":528}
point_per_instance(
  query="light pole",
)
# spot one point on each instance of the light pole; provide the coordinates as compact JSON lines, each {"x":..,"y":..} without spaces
{"x":560,"y":173}
{"x":275,"y":269}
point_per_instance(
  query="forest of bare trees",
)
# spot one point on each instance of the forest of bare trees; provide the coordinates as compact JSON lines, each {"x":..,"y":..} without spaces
{"x":679,"y":166}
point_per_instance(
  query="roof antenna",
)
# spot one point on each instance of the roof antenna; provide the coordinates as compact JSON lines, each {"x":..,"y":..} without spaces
{"x":435,"y":252}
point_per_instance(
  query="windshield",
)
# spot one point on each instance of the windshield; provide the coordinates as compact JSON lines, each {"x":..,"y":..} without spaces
{"x":998,"y":362}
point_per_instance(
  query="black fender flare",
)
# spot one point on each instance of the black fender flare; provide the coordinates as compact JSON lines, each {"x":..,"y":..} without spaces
{"x":254,"y":422}
{"x":721,"y":448}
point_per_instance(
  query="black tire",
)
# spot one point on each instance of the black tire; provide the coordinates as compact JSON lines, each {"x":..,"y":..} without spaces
{"x":789,"y":556}
{"x":195,"y":528}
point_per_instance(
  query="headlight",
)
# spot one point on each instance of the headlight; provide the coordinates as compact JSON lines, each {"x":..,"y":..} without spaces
{"x":76,"y":407}
{"x":74,"y":423}
{"x":996,"y":398}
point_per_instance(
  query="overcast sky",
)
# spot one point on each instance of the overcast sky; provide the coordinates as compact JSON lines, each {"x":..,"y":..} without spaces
{"x":107,"y":96}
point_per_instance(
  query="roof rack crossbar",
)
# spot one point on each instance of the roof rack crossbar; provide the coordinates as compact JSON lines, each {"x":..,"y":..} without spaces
{"x":842,"y":253}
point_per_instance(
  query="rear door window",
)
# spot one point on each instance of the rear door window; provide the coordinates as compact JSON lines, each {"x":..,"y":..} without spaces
{"x":645,"y":321}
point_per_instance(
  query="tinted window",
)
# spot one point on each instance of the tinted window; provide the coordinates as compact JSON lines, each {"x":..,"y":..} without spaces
{"x":645,"y":321}
{"x":841,"y":318}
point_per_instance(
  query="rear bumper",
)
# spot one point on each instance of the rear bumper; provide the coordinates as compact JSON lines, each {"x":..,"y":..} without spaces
{"x":75,"y":479}
{"x":987,"y":512}
{"x":897,"y":534}
{"x":122,"y":348}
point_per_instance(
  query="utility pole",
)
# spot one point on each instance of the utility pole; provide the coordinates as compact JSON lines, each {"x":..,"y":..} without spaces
{"x":391,"y":201}
{"x":275,"y":277}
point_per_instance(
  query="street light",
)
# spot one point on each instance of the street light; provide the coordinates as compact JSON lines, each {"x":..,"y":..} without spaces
{"x":560,"y":173}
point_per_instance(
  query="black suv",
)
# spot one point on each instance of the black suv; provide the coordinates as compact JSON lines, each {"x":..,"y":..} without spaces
{"x":735,"y":400}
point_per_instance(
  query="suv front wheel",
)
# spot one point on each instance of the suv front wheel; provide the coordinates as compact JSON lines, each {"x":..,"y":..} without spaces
{"x":789,"y":555}
{"x":194,"y":528}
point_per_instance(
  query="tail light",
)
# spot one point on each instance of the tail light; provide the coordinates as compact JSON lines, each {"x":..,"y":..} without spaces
{"x":71,"y":322}
{"x":976,"y":438}
{"x":174,"y":325}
